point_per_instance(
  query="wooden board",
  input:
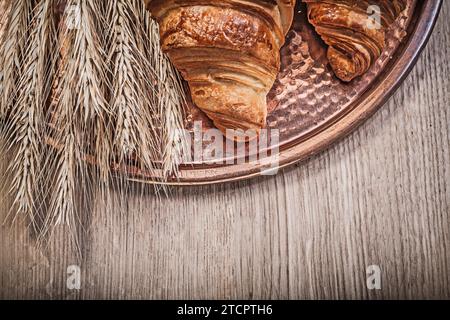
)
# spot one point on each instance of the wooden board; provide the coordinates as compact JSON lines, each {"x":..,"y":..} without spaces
{"x":381,"y":196}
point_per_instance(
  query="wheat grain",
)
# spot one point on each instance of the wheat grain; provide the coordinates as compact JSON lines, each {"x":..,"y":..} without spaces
{"x":170,"y":106}
{"x":11,"y":50}
{"x":5,"y":10}
{"x":79,"y":108}
{"x":24,"y":126}
{"x":170,"y":98}
{"x":130,"y":100}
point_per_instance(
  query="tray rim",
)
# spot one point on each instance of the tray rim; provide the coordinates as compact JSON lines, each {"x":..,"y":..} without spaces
{"x":367,"y":105}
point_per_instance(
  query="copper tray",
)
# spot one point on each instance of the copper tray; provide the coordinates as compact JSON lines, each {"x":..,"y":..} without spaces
{"x":311,"y":108}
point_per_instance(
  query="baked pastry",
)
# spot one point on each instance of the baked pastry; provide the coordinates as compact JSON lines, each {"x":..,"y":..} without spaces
{"x":229,"y":53}
{"x":355,"y":35}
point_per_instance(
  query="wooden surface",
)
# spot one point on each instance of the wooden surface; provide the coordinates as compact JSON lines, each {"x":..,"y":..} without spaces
{"x":380,"y":197}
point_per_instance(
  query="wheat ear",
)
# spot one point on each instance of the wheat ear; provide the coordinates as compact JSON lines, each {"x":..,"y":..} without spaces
{"x":91,"y":71}
{"x":81,"y":113}
{"x":25,"y":125}
{"x":131,"y":101}
{"x":171,"y":104}
{"x":170,"y":98}
{"x":5,"y":10}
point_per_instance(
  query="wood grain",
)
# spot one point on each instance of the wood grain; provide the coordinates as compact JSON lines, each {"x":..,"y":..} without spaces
{"x":381,"y":196}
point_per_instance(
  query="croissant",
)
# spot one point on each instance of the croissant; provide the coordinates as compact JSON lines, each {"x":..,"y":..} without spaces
{"x":347,"y":27}
{"x":229,"y":53}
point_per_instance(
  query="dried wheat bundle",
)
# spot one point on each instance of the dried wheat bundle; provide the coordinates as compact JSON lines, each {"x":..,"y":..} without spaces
{"x":80,"y":112}
{"x":169,"y":86}
{"x":5,"y":15}
{"x":5,"y":9}
{"x":132,"y":93}
{"x":12,"y":50}
{"x":25,"y":112}
{"x":30,"y":108}
{"x":171,"y":96}
{"x":84,"y":87}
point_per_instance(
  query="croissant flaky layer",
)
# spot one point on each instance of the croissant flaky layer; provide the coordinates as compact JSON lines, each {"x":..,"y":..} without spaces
{"x":228,"y":51}
{"x":355,"y":31}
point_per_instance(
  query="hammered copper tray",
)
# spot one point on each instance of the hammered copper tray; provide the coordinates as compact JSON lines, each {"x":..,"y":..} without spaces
{"x":308,"y":105}
{"x":313,"y":109}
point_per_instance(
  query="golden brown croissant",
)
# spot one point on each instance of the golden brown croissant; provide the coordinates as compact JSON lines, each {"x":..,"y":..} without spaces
{"x":228,"y":51}
{"x":348,"y":27}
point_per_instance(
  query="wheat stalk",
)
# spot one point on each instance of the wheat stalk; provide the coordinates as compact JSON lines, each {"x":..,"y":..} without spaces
{"x":131,"y":102}
{"x":25,"y":125}
{"x":61,"y":163}
{"x":5,"y":10}
{"x":154,"y":80}
{"x":11,"y":51}
{"x":81,"y":113}
{"x":90,"y":79}
{"x":170,"y":106}
{"x":5,"y":6}
{"x":114,"y":95}
{"x":85,"y":74}
{"x":169,"y":99}
{"x":87,"y":66}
